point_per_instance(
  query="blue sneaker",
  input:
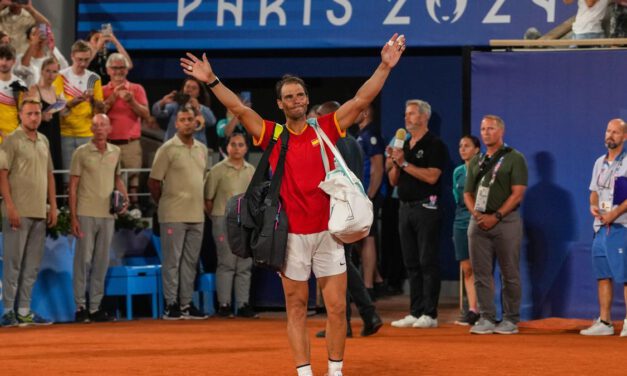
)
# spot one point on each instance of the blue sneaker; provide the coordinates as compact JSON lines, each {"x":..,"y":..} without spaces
{"x":9,"y":319}
{"x":32,"y":319}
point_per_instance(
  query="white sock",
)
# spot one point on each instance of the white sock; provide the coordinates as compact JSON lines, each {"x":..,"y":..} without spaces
{"x":23,"y":311}
{"x":304,"y":370}
{"x":7,"y":310}
{"x":335,"y":366}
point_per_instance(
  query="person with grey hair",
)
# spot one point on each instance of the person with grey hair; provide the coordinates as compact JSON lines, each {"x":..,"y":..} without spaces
{"x":126,"y":105}
{"x":94,"y":173}
{"x":416,"y":168}
{"x":608,"y":206}
{"x":495,"y":185}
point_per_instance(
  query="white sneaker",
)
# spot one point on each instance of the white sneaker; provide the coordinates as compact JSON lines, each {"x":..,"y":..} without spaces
{"x":405,"y":322}
{"x":623,"y":332}
{"x":426,"y":321}
{"x":598,"y":329}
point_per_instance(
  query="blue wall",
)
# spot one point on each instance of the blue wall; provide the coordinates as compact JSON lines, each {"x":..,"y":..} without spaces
{"x":556,"y":106}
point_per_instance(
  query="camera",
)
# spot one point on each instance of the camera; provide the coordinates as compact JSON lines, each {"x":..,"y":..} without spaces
{"x":20,"y":2}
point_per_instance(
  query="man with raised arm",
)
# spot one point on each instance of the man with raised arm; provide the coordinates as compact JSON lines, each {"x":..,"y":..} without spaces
{"x":309,"y":244}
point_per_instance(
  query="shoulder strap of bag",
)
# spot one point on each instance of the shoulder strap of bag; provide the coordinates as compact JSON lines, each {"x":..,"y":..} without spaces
{"x":339,"y":161}
{"x":275,"y":183}
{"x":264,"y":163}
{"x":325,"y":161}
{"x":492,"y":163}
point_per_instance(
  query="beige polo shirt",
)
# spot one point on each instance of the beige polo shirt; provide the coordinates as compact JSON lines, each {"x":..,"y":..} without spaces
{"x":224,"y":181}
{"x":28,"y":163}
{"x":181,"y":169}
{"x":96,"y":171}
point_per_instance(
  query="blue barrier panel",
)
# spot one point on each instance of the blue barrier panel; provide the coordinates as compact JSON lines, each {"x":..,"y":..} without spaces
{"x":556,"y":106}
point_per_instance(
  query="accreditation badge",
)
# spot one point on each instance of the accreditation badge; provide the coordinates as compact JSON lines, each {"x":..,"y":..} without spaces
{"x":605,"y":206}
{"x":481,"y":201}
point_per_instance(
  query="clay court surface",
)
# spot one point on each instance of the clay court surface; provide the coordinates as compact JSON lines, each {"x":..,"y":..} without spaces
{"x":259,"y":347}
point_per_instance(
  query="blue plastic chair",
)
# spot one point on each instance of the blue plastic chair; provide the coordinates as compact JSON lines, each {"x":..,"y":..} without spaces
{"x":205,"y":284}
{"x":134,"y":280}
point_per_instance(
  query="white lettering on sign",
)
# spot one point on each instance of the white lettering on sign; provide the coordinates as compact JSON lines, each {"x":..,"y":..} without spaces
{"x":348,"y":12}
{"x":307,"y":13}
{"x":235,"y":9}
{"x":274,"y":8}
{"x":185,"y":10}
{"x":393,"y":18}
{"x":549,"y":8}
{"x":493,"y":17}
{"x":340,"y":12}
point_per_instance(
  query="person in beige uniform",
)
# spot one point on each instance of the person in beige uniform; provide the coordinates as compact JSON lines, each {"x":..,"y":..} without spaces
{"x":176,"y":184}
{"x":226,"y":179}
{"x":26,"y":182}
{"x":94,"y":170}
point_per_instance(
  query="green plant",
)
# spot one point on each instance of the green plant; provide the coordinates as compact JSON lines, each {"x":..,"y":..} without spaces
{"x":63,"y":226}
{"x":131,"y":220}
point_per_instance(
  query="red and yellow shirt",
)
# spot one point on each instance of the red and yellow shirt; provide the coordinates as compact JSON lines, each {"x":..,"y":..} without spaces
{"x":306,"y":205}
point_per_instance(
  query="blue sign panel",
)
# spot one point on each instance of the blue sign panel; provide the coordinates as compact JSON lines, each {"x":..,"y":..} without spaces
{"x":261,"y":24}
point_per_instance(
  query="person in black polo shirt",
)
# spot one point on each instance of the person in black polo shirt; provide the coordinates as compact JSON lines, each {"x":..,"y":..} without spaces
{"x":417,"y":168}
{"x":495,"y":186}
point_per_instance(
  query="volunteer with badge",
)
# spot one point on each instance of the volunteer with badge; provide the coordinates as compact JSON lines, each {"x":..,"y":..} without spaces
{"x":608,"y":203}
{"x":495,"y":186}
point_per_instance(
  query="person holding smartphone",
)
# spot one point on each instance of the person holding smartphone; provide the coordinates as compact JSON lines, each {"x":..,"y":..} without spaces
{"x":15,"y":19}
{"x":41,"y":46}
{"x":99,"y":40}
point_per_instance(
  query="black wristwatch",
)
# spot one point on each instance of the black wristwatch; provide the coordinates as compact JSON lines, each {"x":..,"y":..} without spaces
{"x":498,"y":215}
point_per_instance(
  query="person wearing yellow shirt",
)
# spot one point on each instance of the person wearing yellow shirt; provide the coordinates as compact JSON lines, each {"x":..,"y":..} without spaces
{"x":11,"y":89}
{"x":83,"y":91}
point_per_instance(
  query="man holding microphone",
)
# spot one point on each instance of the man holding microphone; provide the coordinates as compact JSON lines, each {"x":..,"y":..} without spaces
{"x":416,"y":167}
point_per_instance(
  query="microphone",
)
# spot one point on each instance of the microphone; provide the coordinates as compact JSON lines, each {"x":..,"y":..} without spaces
{"x":399,"y":139}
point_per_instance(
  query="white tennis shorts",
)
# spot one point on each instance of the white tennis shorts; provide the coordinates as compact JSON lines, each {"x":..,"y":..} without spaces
{"x":320,"y":252}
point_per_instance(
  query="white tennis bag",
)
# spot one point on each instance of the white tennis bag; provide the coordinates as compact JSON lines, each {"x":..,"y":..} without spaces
{"x":351,"y":213}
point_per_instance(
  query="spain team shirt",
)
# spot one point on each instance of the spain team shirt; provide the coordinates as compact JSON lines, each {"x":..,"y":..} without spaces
{"x":306,"y":205}
{"x":78,"y":122}
{"x":8,"y":104}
